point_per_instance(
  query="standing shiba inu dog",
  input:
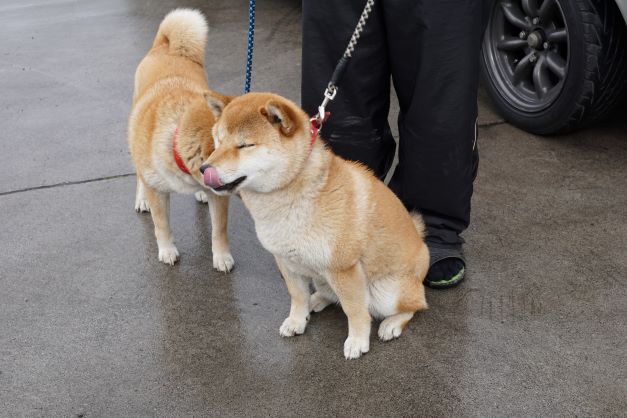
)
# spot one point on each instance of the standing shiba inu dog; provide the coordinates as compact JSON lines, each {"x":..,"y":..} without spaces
{"x":323,"y":218}
{"x":170,"y":131}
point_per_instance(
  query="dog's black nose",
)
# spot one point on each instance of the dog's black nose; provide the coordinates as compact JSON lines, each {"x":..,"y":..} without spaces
{"x":204,"y":167}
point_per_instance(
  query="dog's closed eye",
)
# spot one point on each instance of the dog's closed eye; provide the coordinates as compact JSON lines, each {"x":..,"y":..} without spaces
{"x":240,"y":146}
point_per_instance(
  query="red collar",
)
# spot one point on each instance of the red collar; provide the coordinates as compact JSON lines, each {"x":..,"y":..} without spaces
{"x":316,"y":125}
{"x":313,"y":131}
{"x":175,"y":153}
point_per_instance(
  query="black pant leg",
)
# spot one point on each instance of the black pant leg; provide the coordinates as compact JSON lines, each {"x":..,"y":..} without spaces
{"x":358,"y":127}
{"x":434,"y":58}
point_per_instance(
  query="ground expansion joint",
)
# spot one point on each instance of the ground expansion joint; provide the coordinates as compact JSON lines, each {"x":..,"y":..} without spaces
{"x":66,"y":183}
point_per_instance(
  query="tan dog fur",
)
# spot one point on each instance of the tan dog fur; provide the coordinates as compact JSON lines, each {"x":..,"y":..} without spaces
{"x":170,"y":91}
{"x":325,"y":220}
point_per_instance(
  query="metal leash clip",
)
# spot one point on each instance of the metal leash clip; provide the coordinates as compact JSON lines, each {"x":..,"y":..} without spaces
{"x":329,"y":94}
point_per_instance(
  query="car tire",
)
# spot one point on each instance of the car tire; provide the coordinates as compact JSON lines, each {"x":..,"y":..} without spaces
{"x":575,"y":71}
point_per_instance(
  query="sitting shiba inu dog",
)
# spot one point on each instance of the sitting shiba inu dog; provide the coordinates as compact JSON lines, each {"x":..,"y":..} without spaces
{"x":170,"y":131}
{"x":324,"y":219}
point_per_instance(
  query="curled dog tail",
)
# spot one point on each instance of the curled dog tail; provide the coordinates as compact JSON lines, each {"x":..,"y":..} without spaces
{"x":419,"y":224}
{"x":184,"y":31}
{"x":422,"y":265}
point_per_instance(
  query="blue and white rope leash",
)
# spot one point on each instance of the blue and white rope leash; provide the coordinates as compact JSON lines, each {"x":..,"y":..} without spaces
{"x":251,"y":40}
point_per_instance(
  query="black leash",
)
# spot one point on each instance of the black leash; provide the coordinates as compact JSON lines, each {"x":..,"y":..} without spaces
{"x":340,"y":68}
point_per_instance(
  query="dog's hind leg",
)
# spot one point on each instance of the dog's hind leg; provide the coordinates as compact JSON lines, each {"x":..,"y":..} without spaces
{"x":160,"y":211}
{"x":392,"y":326}
{"x":219,"y":210}
{"x":322,"y":297}
{"x":411,"y":299}
{"x":141,"y":203}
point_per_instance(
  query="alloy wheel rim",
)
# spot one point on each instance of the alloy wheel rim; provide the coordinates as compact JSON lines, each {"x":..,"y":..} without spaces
{"x":527,"y":51}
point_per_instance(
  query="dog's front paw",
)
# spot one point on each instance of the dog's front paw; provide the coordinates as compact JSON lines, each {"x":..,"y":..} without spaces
{"x":318,"y":302}
{"x":168,"y":255}
{"x":201,"y":197}
{"x":354,"y":347}
{"x":141,"y":205}
{"x":223,"y":261}
{"x":292,"y":326}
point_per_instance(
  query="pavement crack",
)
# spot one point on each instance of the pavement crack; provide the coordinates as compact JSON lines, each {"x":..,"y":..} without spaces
{"x":66,"y":183}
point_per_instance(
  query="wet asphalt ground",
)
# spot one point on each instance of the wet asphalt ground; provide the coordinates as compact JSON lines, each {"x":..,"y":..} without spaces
{"x":91,"y":324}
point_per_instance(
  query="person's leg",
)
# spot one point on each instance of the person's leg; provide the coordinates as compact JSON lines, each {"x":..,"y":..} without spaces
{"x":434,"y":58}
{"x":358,"y":127}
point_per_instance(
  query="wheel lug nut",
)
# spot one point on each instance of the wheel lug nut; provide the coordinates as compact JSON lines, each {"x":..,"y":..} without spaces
{"x":533,"y":59}
{"x":522,"y":35}
{"x":535,"y":20}
{"x":545,"y":45}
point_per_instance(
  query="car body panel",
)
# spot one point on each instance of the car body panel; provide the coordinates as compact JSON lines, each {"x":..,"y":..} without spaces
{"x":622,"y":5}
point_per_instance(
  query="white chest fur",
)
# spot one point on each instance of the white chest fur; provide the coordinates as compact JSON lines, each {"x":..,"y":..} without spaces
{"x":287,"y":228}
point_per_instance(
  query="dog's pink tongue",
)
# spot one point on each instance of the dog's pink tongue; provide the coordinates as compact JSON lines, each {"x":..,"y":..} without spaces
{"x":211,"y":178}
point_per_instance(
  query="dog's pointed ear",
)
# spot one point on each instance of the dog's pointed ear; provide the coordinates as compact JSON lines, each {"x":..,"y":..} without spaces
{"x":216,"y":101}
{"x":280,"y":115}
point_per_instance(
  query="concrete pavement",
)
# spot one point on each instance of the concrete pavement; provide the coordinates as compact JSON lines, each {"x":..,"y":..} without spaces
{"x":91,"y":324}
